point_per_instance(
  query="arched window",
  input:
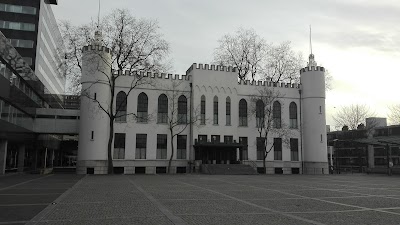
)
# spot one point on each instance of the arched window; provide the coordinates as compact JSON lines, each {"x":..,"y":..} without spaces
{"x":215,"y":110}
{"x":242,"y":112}
{"x":293,"y":115}
{"x":182,"y":110}
{"x":276,"y":113}
{"x":120,"y":107}
{"x":260,"y":114}
{"x":203,"y":110}
{"x":162,"y":116}
{"x":228,"y":111}
{"x":142,"y":107}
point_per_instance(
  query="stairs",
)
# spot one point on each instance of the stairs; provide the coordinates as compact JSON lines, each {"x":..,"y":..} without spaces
{"x":227,"y":169}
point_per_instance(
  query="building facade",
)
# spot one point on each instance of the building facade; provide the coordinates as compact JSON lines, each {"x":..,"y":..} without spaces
{"x":212,"y":115}
{"x":31,"y":28}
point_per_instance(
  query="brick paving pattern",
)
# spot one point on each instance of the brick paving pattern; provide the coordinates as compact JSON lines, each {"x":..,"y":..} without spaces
{"x":205,"y":199}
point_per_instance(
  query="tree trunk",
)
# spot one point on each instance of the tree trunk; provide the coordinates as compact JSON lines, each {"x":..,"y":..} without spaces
{"x":172,"y":152}
{"x":110,"y":169}
{"x":264,"y":166}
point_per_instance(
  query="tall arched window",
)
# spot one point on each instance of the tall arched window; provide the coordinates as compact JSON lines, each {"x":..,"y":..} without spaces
{"x":215,"y":110}
{"x":120,"y":107}
{"x":293,"y":115}
{"x":260,"y":114}
{"x":228,"y":111}
{"x":162,"y":116}
{"x":182,"y":110}
{"x":276,"y":113}
{"x":203,"y":110}
{"x":242,"y":112}
{"x":142,"y":107}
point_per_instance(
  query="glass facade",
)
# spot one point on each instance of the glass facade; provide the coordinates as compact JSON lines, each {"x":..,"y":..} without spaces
{"x":18,"y":9}
{"x":17,"y":25}
{"x":15,"y":116}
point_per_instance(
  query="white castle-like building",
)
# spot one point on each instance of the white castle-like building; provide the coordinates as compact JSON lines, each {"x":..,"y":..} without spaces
{"x":222,"y":128}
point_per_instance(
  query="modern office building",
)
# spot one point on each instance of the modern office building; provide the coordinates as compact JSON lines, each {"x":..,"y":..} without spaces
{"x":212,"y":116}
{"x":31,"y":28}
{"x":370,"y":148}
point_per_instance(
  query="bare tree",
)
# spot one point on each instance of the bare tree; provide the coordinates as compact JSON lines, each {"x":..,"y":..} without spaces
{"x":283,"y":64}
{"x":177,"y":117}
{"x":255,"y":59}
{"x":267,"y":123}
{"x":352,"y":115}
{"x":244,"y":49}
{"x":74,"y":37}
{"x":394,"y":115}
{"x":135,"y":45}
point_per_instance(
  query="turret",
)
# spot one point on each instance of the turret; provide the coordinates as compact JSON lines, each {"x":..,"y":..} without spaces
{"x":312,"y":79}
{"x":94,"y":123}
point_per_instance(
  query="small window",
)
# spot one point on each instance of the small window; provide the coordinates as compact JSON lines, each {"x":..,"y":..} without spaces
{"x":228,"y":139}
{"x":278,"y":171}
{"x":244,"y":154}
{"x":215,"y":138}
{"x":202,"y":138}
{"x":320,"y":109}
{"x":228,"y":111}
{"x":140,"y":170}
{"x":92,"y":136}
{"x":161,"y":170}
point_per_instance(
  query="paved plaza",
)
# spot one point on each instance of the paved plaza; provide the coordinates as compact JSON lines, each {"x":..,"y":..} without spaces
{"x":199,"y":199}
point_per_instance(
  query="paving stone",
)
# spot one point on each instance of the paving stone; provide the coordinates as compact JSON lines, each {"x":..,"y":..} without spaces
{"x":157,"y":220}
{"x":103,"y":210}
{"x":239,"y":219}
{"x":353,"y":218}
{"x":209,"y":206}
{"x":369,"y":202}
{"x":300,"y":205}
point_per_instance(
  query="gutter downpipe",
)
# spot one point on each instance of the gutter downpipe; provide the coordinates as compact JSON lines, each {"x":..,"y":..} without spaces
{"x":191,"y":160}
{"x":301,"y":132}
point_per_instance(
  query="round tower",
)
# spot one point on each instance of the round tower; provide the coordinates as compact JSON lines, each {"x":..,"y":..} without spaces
{"x":94,"y":122}
{"x":314,"y":146}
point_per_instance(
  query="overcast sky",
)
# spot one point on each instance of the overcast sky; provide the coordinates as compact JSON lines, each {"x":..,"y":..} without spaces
{"x":358,"y":41}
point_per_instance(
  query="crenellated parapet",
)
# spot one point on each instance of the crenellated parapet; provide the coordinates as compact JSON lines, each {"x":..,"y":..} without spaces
{"x":220,"y":68}
{"x":152,"y":75}
{"x":95,"y":48}
{"x":312,"y":68}
{"x":268,"y":83}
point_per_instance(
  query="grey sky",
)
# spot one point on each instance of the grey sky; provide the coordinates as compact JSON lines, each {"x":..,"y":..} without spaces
{"x":358,"y":41}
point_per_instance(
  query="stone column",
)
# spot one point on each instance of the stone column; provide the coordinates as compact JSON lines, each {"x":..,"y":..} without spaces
{"x":3,"y":156}
{"x":371,"y":157}
{"x":21,"y":158}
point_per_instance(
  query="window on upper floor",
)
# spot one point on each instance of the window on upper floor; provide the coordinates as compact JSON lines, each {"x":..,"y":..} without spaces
{"x":142,"y":108}
{"x":18,"y":43}
{"x":215,"y":110}
{"x":17,"y":9}
{"x":182,"y":110}
{"x":17,"y":26}
{"x":276,"y":114}
{"x":162,"y":116}
{"x":260,"y":114}
{"x":203,"y":110}
{"x":293,"y":115}
{"x":242,"y":112}
{"x":120,"y":107}
{"x":228,"y":111}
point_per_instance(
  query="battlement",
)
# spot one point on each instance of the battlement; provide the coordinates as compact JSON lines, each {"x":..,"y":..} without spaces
{"x":312,"y":68}
{"x":268,"y":83}
{"x":96,"y":48}
{"x":200,"y":66}
{"x":152,"y":75}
